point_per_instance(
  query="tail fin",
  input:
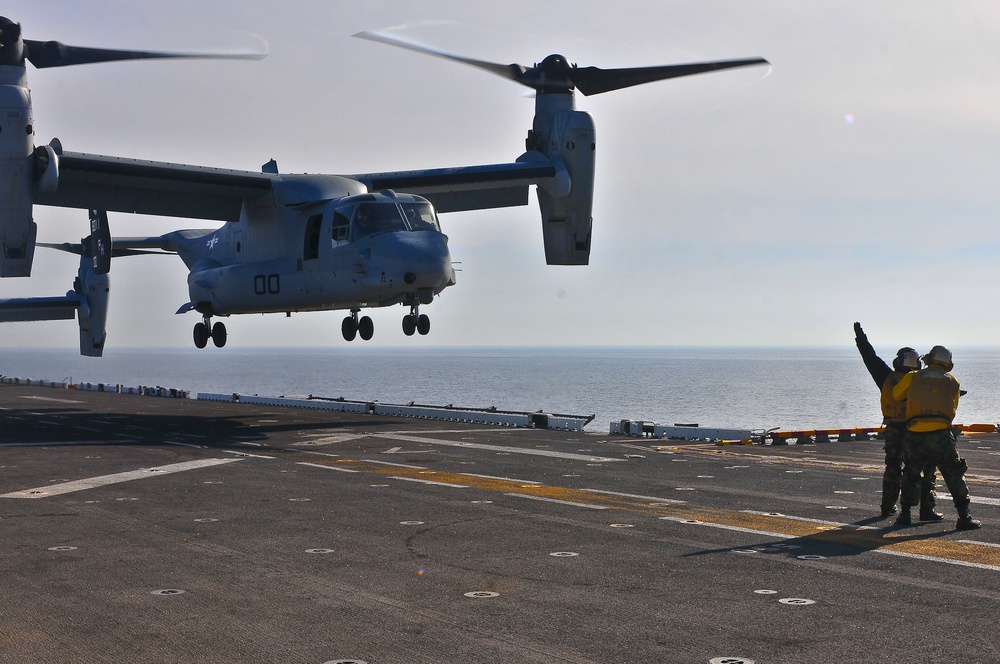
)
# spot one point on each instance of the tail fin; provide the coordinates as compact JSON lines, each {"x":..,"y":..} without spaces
{"x":92,"y":288}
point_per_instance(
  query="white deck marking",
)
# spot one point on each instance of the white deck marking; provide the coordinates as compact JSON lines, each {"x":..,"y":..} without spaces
{"x":888,"y":552}
{"x":400,"y":450}
{"x":724,"y":526}
{"x":314,"y":440}
{"x":415,"y":479}
{"x":979,"y":543}
{"x":397,"y":465}
{"x":104,"y":480}
{"x":49,"y":399}
{"x":981,"y":500}
{"x":654,"y":499}
{"x":558,"y":502}
{"x":505,"y":479}
{"x":492,"y":448}
{"x":247,"y":454}
{"x":319,"y":465}
{"x":833,"y":524}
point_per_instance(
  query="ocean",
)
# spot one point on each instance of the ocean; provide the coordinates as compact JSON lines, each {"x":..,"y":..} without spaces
{"x":755,"y":388}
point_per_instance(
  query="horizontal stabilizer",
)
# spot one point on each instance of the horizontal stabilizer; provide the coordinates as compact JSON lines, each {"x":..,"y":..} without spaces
{"x":38,"y":308}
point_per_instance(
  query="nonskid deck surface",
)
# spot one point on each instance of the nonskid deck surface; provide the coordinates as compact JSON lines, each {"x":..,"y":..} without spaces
{"x":172,"y":530}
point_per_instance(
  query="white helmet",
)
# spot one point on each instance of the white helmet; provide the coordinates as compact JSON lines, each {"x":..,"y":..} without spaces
{"x":906,"y":359}
{"x":940,"y":356}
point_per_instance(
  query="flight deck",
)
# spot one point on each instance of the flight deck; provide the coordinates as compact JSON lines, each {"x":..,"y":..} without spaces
{"x":180,"y":530}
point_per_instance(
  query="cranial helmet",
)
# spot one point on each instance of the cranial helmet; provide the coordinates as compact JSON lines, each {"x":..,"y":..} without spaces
{"x":940,"y":356}
{"x":906,"y":359}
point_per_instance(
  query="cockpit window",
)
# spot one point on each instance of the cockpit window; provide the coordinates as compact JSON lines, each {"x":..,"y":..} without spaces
{"x":372,"y":218}
{"x":420,"y":216}
{"x":341,"y":224}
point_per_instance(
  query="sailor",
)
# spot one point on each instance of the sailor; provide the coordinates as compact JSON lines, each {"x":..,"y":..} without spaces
{"x":894,"y":419}
{"x":931,"y":396}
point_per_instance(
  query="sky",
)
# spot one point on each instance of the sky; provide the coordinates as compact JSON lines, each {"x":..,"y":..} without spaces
{"x":854,"y":180}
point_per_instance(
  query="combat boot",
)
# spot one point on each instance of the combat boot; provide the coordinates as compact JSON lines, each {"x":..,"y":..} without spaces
{"x":904,"y":518}
{"x":928,"y":514}
{"x":888,"y":509}
{"x":965,"y":520}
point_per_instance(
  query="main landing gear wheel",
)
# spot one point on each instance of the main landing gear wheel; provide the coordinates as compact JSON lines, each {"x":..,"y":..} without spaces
{"x":414,"y":322}
{"x":205,"y":330}
{"x":349,"y":328}
{"x":201,"y":335}
{"x":219,"y":334}
{"x":354,"y":326}
{"x":366,"y":328}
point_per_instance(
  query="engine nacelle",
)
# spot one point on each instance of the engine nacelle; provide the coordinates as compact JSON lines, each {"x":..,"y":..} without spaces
{"x":570,"y":143}
{"x":17,"y":230}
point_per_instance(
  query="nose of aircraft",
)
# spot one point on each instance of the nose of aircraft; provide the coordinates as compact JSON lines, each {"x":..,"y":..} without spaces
{"x":419,"y":259}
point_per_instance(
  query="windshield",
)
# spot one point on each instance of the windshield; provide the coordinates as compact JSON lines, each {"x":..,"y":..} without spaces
{"x":420,"y":216}
{"x":372,"y":218}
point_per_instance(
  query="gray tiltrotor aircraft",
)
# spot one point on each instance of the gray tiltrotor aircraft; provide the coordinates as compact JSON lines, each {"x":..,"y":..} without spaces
{"x":293,"y":242}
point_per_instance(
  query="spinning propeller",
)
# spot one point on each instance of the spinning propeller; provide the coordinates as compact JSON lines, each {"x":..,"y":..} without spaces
{"x":558,"y":75}
{"x":14,"y":51}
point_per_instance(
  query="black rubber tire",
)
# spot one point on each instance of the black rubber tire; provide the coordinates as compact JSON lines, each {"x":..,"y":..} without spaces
{"x":366,"y":328}
{"x":349,"y":328}
{"x":201,"y":335}
{"x":423,"y":324}
{"x":219,"y":334}
{"x":409,"y":325}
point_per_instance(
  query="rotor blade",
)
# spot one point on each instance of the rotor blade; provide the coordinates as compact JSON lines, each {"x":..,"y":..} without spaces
{"x":125,"y":251}
{"x":593,"y":80}
{"x":56,"y":54}
{"x":513,"y":72}
{"x":63,"y":246}
{"x":116,"y":252}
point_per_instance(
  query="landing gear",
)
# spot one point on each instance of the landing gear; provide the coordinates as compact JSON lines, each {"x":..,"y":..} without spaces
{"x":350,"y":327}
{"x":354,"y":326}
{"x":219,"y":334}
{"x":366,"y":328}
{"x":416,"y":322}
{"x":205,"y":330}
{"x":201,"y":335}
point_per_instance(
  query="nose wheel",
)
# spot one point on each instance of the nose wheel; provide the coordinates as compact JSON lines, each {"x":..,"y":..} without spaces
{"x":205,"y":330}
{"x":353,"y":327}
{"x":416,"y":322}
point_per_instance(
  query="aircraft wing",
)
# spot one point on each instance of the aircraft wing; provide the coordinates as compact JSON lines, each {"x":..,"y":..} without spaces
{"x":469,"y":187}
{"x":117,"y":184}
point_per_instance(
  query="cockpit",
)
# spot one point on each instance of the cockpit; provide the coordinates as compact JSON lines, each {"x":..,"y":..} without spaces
{"x":360,"y":216}
{"x":355,"y":217}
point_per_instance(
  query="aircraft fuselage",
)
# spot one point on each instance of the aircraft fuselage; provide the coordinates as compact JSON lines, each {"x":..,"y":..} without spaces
{"x":353,"y":252}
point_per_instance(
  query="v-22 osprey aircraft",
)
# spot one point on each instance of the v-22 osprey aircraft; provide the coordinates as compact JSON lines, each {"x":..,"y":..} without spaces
{"x":293,"y":242}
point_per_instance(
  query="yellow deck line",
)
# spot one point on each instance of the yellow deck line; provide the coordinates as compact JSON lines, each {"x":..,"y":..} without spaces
{"x":905,"y":541}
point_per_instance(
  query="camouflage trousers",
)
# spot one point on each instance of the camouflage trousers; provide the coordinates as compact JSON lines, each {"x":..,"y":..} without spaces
{"x":937,"y":447}
{"x":892,"y":477}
